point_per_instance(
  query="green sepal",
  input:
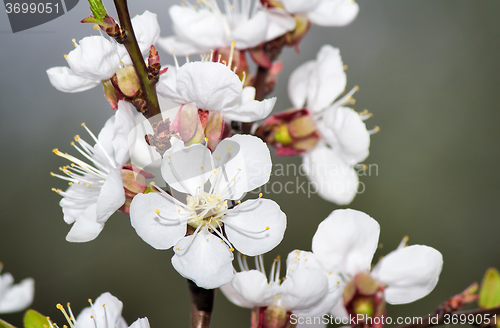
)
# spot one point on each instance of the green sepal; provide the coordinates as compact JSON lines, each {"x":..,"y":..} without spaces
{"x":98,"y":10}
{"x":4,"y":324}
{"x":33,"y":319}
{"x":489,"y":295}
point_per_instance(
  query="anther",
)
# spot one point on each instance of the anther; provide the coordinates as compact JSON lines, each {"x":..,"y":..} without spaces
{"x":260,"y":194}
{"x":157,"y":211}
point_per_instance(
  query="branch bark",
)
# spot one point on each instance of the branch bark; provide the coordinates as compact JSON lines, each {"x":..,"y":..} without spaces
{"x":202,"y":304}
{"x":130,"y":42}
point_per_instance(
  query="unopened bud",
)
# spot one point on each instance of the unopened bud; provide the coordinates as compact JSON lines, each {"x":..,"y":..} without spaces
{"x":302,"y":25}
{"x":128,"y":81}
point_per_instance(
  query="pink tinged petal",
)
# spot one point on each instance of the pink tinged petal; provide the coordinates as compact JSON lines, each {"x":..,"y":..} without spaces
{"x":327,"y":80}
{"x":106,"y":312}
{"x":255,"y":226}
{"x":250,"y":110}
{"x":111,"y":196}
{"x":94,"y":58}
{"x":140,"y":323}
{"x":253,"y":288}
{"x":86,"y":227}
{"x":298,"y":84}
{"x":280,"y":22}
{"x":300,"y":6}
{"x":187,"y":122}
{"x":244,"y":163}
{"x":214,"y":129}
{"x":187,"y":170}
{"x":16,"y":297}
{"x":346,"y":133}
{"x":346,"y":241}
{"x":409,"y":273}
{"x":205,"y":259}
{"x":332,"y":178}
{"x":160,"y":232}
{"x":65,"y":80}
{"x":211,"y":86}
{"x":303,"y":288}
{"x":251,"y":32}
{"x":334,"y":13}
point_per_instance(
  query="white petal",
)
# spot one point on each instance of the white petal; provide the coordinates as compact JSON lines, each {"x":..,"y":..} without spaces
{"x":334,"y":13}
{"x":94,"y":58}
{"x":346,"y":241}
{"x":331,"y":177}
{"x":111,"y":196}
{"x":280,"y":22}
{"x":244,"y":158}
{"x":187,"y":170}
{"x":300,"y":6}
{"x":172,"y":44}
{"x":86,"y":227}
{"x":65,"y":80}
{"x":140,"y":323}
{"x":211,"y":86}
{"x":339,"y":310}
{"x":206,"y":260}
{"x":250,"y":110}
{"x":255,"y":226}
{"x":251,"y":32}
{"x":157,"y":232}
{"x":233,"y":296}
{"x":303,"y":288}
{"x":167,"y":86}
{"x":106,"y":312}
{"x":327,"y":79}
{"x":298,"y":84}
{"x":315,"y":323}
{"x":252,"y":289}
{"x":343,"y":129}
{"x":300,"y":260}
{"x":410,"y":273}
{"x":147,"y":32}
{"x":201,"y":28}
{"x":17,"y":297}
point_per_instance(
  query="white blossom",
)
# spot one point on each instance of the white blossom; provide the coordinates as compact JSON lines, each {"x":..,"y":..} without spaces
{"x":105,"y":312}
{"x":95,"y":58}
{"x":198,"y":30}
{"x":15,"y":297}
{"x":96,"y":187}
{"x":324,"y":12}
{"x":306,"y":290}
{"x":345,"y":140}
{"x":239,"y":164}
{"x":345,"y":243}
{"x":214,"y":86}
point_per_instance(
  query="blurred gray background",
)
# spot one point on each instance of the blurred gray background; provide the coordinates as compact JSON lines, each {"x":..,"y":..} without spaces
{"x":429,"y":72}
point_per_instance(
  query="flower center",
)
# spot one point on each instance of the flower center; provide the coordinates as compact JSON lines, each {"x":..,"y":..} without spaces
{"x":206,"y":210}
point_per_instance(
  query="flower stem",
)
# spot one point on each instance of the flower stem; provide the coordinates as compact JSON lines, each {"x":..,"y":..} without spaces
{"x":130,"y":42}
{"x":202,"y":304}
{"x":430,"y":321}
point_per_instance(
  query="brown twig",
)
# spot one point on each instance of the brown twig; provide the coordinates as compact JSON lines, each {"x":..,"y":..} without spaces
{"x":202,"y":304}
{"x":130,"y":42}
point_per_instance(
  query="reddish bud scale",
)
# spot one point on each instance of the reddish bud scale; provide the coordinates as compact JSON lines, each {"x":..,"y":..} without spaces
{"x":292,"y":132}
{"x":271,"y":317}
{"x":134,"y":182}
